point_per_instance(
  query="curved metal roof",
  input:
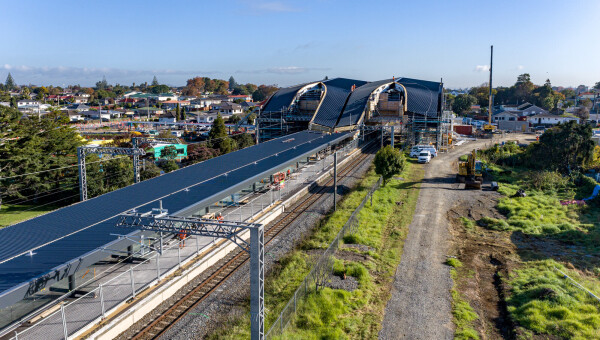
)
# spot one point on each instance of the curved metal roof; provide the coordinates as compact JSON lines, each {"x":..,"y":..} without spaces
{"x":283,"y":98}
{"x":332,"y":105}
{"x":423,"y":97}
{"x":358,"y":102}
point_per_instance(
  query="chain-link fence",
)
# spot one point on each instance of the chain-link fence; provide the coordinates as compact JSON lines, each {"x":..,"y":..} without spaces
{"x":321,"y":271}
{"x":123,"y":282}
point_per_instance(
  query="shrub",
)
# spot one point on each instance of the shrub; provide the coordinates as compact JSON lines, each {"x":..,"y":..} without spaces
{"x":388,"y":162}
{"x":547,"y":180}
{"x":452,"y":262}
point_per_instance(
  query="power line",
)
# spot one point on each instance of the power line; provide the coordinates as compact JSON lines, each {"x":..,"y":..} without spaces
{"x":65,"y":167}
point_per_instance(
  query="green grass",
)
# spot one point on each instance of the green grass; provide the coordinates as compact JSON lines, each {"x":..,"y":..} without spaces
{"x":462,"y":313}
{"x":452,"y":262}
{"x":544,"y":302}
{"x":339,"y":314}
{"x":11,"y":214}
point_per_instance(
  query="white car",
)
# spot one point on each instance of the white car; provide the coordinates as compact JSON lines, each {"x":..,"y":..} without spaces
{"x":416,"y":150}
{"x":424,"y":157}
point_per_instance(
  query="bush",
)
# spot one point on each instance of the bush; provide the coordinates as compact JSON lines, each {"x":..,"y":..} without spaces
{"x":452,"y":262}
{"x":547,"y":180}
{"x":493,"y":223}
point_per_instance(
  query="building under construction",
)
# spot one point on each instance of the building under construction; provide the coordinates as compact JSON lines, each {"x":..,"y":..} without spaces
{"x":413,"y":107}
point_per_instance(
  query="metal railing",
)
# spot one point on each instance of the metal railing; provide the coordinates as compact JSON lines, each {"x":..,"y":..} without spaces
{"x":321,"y":271}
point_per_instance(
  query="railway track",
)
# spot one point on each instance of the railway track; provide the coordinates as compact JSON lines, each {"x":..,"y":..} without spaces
{"x":233,"y":261}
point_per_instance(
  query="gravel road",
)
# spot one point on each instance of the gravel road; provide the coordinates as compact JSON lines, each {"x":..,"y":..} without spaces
{"x":420,"y":303}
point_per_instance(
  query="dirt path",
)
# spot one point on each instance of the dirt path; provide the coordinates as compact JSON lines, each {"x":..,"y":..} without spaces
{"x":420,"y":303}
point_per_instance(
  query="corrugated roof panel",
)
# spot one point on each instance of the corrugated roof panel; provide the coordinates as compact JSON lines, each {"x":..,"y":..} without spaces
{"x":331,"y":106}
{"x":422,"y":96}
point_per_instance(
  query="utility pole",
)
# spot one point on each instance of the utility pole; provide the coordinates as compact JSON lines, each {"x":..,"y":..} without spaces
{"x":491,"y":100}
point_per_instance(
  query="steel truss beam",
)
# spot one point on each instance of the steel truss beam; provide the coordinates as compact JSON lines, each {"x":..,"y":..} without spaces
{"x":82,"y":151}
{"x":158,"y":220}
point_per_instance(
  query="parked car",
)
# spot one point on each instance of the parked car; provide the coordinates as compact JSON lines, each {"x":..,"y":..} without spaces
{"x":416,"y":150}
{"x":424,"y":157}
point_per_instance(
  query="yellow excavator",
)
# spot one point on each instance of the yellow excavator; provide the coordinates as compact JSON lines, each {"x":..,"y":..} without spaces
{"x":469,"y":172}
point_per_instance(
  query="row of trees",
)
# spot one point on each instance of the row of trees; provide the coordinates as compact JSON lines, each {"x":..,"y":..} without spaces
{"x":522,"y":91}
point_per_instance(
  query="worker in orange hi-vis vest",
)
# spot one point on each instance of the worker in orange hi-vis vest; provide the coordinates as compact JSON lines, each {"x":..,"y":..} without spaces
{"x":182,"y":236}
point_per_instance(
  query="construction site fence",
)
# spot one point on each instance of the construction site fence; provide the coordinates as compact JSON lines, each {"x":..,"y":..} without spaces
{"x":321,"y":272}
{"x":103,"y":298}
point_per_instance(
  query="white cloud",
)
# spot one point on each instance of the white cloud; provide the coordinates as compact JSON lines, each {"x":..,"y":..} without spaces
{"x":285,"y":70}
{"x":269,"y":6}
{"x":482,"y":68}
{"x":520,"y":67}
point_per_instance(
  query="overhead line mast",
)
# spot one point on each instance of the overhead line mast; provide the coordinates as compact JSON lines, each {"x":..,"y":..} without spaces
{"x":491,"y":100}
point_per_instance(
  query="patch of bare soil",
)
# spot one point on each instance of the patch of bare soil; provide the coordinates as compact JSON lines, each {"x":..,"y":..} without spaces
{"x":487,"y":257}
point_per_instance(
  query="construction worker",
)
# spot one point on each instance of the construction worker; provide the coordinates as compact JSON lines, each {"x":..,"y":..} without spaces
{"x":182,"y":236}
{"x":289,"y":172}
{"x":219,"y":217}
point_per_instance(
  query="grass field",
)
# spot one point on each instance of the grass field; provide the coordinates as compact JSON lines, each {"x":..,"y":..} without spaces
{"x":541,"y":301}
{"x":11,"y":214}
{"x":335,"y":313}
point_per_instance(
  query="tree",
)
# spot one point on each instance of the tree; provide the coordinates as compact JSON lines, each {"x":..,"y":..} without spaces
{"x":482,"y":94}
{"x":388,"y":162}
{"x":463,"y":102}
{"x":150,"y":171}
{"x":169,"y":165}
{"x":227,"y":145}
{"x":154,"y":81}
{"x":565,"y":147}
{"x":101,"y":85}
{"x":243,"y":140}
{"x":10,"y":82}
{"x":263,"y":92}
{"x":218,"y":129}
{"x":597,"y":86}
{"x":157,"y":89}
{"x":199,"y":153}
{"x":169,"y":152}
{"x":177,"y":114}
{"x":234,"y":119}
{"x":568,"y":93}
{"x":523,"y":87}
{"x":232,"y":83}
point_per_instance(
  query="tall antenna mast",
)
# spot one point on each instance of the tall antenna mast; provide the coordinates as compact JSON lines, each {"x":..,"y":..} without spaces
{"x":491,"y":101}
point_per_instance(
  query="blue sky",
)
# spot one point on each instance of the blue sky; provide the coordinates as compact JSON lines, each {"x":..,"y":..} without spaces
{"x":289,"y":42}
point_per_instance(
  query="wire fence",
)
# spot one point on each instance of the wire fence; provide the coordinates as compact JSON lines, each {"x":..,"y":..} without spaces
{"x":321,"y":271}
{"x":102,"y":297}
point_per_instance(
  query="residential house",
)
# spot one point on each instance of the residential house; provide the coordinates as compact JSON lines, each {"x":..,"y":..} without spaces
{"x":172,"y":104}
{"x":166,"y":96}
{"x":27,"y":102}
{"x":476,"y":109}
{"x":206,"y":117}
{"x":76,"y":117}
{"x":531,"y":110}
{"x":148,"y":112}
{"x":96,"y":115}
{"x":81,"y":99}
{"x":244,"y":97}
{"x":506,"y":116}
{"x":78,"y":107}
{"x":548,"y":119}
{"x":226,"y":108}
{"x":586,"y":95}
{"x":7,"y":104}
{"x":168,"y":117}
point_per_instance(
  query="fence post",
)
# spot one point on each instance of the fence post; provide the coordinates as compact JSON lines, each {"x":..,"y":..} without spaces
{"x":64,"y":321}
{"x":281,"y":321}
{"x":132,"y":283}
{"x":295,"y":301}
{"x":102,"y":302}
{"x":197,"y":246}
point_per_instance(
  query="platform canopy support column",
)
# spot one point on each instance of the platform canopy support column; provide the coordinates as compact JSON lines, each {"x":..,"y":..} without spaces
{"x":158,"y":220}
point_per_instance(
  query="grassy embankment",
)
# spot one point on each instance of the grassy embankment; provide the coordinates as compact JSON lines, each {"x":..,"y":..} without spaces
{"x":565,"y":237}
{"x":11,"y":214}
{"x":463,"y":314}
{"x":337,"y":313}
